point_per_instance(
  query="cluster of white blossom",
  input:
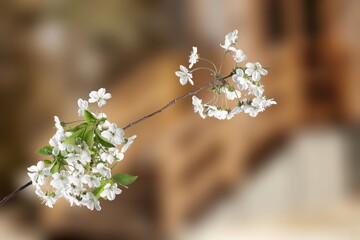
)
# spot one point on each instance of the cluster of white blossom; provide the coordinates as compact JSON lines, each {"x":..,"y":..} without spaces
{"x":246,"y":87}
{"x":82,"y":158}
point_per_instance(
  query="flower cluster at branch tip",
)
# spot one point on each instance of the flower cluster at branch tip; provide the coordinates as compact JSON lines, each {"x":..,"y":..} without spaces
{"x":81,"y":159}
{"x":245,"y":88}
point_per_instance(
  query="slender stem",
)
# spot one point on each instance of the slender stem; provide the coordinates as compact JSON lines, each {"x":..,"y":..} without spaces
{"x":226,"y":102}
{"x":216,"y":99}
{"x":211,"y":99}
{"x":5,"y":199}
{"x":169,"y":104}
{"x":176,"y":100}
{"x":237,"y":96}
{"x":203,"y":68}
{"x":213,"y":64}
{"x":222,"y":62}
{"x":114,"y":165}
{"x":11,"y":195}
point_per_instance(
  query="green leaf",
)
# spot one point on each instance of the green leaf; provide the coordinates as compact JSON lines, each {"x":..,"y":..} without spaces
{"x":89,"y":136}
{"x":46,"y":150}
{"x":78,"y":134}
{"x":103,"y":141}
{"x":89,"y":117}
{"x":97,"y":191}
{"x":78,"y":127}
{"x":102,"y":120}
{"x":55,"y":168}
{"x":47,"y":162}
{"x":124,"y":179}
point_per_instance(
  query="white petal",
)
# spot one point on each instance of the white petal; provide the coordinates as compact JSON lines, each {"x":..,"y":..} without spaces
{"x":113,"y":127}
{"x":249,"y":71}
{"x":101,"y":102}
{"x":262,"y":71}
{"x":250,"y":65}
{"x":107,"y":96}
{"x":256,"y":76}
{"x":101,"y":92}
{"x":184,"y":69}
{"x":40,"y":165}
{"x":33,"y":168}
{"x":183,"y":80}
{"x":258,"y":65}
{"x":107,"y":134}
{"x":240,"y":72}
{"x":93,"y":94}
{"x":79,"y":102}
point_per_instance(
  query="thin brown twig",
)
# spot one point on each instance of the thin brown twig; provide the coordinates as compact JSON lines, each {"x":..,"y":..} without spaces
{"x":5,"y":199}
{"x":217,"y":79}
{"x":176,"y":100}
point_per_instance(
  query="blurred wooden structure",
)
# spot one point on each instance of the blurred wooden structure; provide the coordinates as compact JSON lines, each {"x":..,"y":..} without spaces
{"x":185,"y":162}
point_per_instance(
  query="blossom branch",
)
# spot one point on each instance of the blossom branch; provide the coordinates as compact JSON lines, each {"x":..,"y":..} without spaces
{"x":83,"y":155}
{"x":217,"y":79}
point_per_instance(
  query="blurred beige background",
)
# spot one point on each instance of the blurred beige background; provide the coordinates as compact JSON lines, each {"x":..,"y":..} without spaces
{"x":291,"y":173}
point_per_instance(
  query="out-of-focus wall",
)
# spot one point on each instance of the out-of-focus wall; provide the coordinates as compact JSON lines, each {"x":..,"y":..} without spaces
{"x":53,"y":52}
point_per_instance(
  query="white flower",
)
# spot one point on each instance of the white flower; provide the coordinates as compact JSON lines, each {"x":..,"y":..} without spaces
{"x":198,"y":107}
{"x":99,"y":96}
{"x":129,"y":141}
{"x":236,"y":110}
{"x":270,"y":102}
{"x":112,"y":154}
{"x":184,"y":75}
{"x":91,"y":201}
{"x":110,"y":191}
{"x":239,"y":55}
{"x":60,"y":179}
{"x":38,"y":173}
{"x":85,"y":156}
{"x":104,"y":126}
{"x":103,"y":170}
{"x":238,"y":78}
{"x":255,"y":71}
{"x":101,"y":115}
{"x":251,"y":110}
{"x":213,"y":111}
{"x":230,"y":114}
{"x":255,"y":90}
{"x":261,"y":103}
{"x":194,"y":57}
{"x":230,"y":39}
{"x":58,"y":124}
{"x":83,"y":105}
{"x":231,"y":94}
{"x":221,"y":114}
{"x":91,"y":180}
{"x":48,"y":200}
{"x":71,"y":197}
{"x":114,"y":134}
{"x":56,"y":142}
{"x":75,"y":183}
